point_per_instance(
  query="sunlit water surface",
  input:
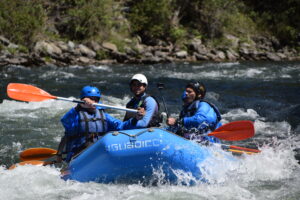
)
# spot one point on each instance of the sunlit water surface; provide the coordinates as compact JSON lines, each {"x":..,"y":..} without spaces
{"x":263,"y":92}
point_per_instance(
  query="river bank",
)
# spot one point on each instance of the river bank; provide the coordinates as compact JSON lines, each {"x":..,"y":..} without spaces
{"x":62,"y":53}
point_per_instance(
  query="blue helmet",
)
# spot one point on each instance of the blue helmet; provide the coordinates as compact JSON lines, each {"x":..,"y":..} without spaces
{"x":89,"y":91}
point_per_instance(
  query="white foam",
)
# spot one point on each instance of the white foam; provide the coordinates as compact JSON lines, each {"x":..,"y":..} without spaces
{"x":94,"y":68}
{"x":239,"y":179}
{"x":276,"y":129}
{"x":56,"y":75}
{"x":232,"y":71}
{"x":241,"y":113}
{"x":19,"y":109}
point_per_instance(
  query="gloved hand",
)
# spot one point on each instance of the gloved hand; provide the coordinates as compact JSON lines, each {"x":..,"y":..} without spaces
{"x":140,"y":113}
{"x":171,"y":121}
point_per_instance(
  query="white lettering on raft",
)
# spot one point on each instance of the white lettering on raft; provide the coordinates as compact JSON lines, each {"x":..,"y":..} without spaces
{"x":134,"y":145}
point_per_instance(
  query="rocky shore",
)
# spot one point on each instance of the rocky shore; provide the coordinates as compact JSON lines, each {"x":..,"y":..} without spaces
{"x":91,"y":53}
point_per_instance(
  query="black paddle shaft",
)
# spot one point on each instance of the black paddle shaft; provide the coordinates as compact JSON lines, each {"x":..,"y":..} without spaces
{"x":161,"y":86}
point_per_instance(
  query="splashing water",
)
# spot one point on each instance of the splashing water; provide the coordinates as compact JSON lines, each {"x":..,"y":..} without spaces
{"x":266,"y":93}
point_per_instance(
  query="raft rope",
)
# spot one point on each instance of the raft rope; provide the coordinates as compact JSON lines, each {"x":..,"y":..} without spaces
{"x":133,"y":136}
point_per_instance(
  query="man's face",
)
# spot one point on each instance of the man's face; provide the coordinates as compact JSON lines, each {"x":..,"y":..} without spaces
{"x":137,"y":88}
{"x":89,"y":101}
{"x":190,"y":95}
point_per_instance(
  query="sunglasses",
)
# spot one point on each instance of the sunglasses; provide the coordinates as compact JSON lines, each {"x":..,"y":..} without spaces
{"x":96,"y":99}
{"x":136,"y":84}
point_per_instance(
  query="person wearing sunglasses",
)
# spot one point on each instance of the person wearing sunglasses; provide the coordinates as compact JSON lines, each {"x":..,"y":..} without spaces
{"x":85,"y":124}
{"x":148,"y":106}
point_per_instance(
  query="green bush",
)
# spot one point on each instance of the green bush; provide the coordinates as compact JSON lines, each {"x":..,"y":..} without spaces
{"x":151,"y":19}
{"x":86,"y":19}
{"x":100,"y":55}
{"x":21,"y":21}
{"x":280,"y":18}
{"x":178,"y":34}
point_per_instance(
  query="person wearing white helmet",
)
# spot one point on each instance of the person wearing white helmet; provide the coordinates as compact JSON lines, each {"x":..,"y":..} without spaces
{"x":147,"y":105}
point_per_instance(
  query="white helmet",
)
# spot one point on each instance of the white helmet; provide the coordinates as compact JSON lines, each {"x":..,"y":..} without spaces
{"x":141,"y":78}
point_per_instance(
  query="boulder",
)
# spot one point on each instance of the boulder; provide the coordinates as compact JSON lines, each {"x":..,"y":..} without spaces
{"x":194,"y":44}
{"x":4,"y":41}
{"x":46,"y":48}
{"x":181,"y":54}
{"x":85,"y":51}
{"x":95,"y":46}
{"x":71,"y":46}
{"x":63,"y":46}
{"x":221,"y":55}
{"x":110,"y":46}
{"x":200,"y":57}
{"x":273,"y":56}
{"x":120,"y":57}
{"x":230,"y":56}
{"x":234,"y":41}
{"x":84,"y":60}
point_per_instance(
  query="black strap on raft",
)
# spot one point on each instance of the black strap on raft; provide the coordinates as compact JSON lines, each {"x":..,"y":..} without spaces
{"x":61,"y":146}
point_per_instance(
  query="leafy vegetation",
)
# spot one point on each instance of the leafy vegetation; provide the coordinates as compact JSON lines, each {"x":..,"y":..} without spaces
{"x":86,"y":19}
{"x":282,"y":18}
{"x":176,"y":21}
{"x":21,"y":21}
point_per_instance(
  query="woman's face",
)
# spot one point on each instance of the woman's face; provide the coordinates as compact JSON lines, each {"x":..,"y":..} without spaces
{"x":190,"y":95}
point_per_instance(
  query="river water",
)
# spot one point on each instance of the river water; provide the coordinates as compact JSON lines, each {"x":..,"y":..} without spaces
{"x":266,"y":93}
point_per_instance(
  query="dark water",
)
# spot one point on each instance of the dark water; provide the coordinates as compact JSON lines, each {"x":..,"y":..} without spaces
{"x":264,"y":92}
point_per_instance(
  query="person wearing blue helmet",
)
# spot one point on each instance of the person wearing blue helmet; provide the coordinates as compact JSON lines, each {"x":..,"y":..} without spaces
{"x":85,"y":124}
{"x":197,"y":117}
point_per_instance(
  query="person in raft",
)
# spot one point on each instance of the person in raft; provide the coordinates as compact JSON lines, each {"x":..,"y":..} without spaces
{"x":86,"y":123}
{"x":197,"y":117}
{"x":147,"y":105}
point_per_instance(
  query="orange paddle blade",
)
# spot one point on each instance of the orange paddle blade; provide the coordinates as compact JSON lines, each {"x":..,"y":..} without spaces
{"x":24,"y":92}
{"x":37,"y":154}
{"x":32,"y":162}
{"x":234,"y":131}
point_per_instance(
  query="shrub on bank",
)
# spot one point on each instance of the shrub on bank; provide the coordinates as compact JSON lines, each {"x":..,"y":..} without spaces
{"x":22,"y":21}
{"x":89,"y":19}
{"x":150,"y":19}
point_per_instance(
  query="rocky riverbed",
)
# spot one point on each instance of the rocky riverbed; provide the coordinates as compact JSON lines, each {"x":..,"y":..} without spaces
{"x":92,"y":53}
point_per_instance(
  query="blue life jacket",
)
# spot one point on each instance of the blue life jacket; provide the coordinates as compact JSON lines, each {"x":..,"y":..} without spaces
{"x":141,"y":102}
{"x":197,"y":127}
{"x":90,"y":126}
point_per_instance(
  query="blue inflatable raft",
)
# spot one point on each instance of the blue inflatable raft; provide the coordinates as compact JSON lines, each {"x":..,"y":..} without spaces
{"x":135,"y":156}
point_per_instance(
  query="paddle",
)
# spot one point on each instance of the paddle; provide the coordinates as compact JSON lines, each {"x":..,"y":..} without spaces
{"x":240,"y":152}
{"x":31,"y":162}
{"x":234,"y":131}
{"x":25,"y":92}
{"x":224,"y":146}
{"x":37,"y":154}
{"x":161,"y":86}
